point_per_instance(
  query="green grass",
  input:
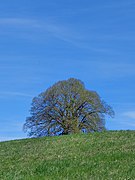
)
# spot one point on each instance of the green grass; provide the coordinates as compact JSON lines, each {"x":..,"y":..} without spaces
{"x":97,"y":156}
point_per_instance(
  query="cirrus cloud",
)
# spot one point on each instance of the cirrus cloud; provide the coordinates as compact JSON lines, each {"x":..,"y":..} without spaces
{"x":129,"y":114}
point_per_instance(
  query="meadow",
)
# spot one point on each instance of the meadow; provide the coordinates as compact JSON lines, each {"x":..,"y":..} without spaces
{"x":95,"y":156}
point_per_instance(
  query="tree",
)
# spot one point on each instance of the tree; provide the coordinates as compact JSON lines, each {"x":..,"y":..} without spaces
{"x":66,"y":108}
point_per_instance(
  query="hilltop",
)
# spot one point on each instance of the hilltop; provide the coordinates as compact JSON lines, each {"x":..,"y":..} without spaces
{"x":93,"y":156}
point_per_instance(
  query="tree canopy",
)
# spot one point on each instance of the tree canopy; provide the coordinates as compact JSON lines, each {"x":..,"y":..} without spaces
{"x":67,"y":108}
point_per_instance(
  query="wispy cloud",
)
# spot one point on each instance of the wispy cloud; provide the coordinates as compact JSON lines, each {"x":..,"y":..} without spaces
{"x":9,"y":138}
{"x":11,"y":125}
{"x":129,"y":114}
{"x":11,"y":129}
{"x":16,"y":22}
{"x":44,"y":29}
{"x":55,"y":29}
{"x":50,"y":29}
{"x":132,"y":124}
{"x":116,"y":69}
{"x":13,"y":94}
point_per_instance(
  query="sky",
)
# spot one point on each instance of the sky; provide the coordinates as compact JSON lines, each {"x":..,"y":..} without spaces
{"x":42,"y":42}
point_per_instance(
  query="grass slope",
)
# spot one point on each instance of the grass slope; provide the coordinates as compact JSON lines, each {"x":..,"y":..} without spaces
{"x":97,"y":156}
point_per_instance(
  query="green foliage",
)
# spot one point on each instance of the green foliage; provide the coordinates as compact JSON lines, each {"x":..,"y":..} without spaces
{"x":96,"y":156}
{"x":67,"y":108}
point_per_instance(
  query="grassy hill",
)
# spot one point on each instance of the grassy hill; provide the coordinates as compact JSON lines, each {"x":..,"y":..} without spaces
{"x":97,"y":156}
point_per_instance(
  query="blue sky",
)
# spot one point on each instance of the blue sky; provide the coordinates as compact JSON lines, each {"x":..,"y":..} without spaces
{"x":42,"y":42}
